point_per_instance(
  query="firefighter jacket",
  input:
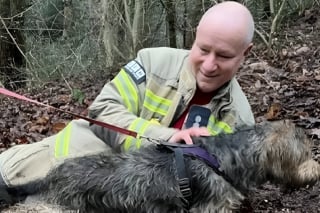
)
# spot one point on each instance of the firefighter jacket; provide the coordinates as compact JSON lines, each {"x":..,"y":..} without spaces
{"x":150,"y":93}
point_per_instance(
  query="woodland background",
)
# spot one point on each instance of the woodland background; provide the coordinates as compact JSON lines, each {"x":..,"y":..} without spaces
{"x":61,"y":52}
{"x":43,"y":40}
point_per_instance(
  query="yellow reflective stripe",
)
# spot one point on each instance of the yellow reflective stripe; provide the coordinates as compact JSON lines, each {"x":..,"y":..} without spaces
{"x":61,"y":148}
{"x":127,"y":91}
{"x":216,"y":127}
{"x":156,"y":103}
{"x":139,"y":125}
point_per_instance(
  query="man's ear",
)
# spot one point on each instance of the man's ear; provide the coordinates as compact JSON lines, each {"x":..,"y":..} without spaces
{"x":246,"y":52}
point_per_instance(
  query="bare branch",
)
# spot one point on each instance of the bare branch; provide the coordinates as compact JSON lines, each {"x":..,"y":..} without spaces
{"x":262,"y":37}
{"x":13,"y":40}
{"x":19,"y":14}
{"x":275,"y":24}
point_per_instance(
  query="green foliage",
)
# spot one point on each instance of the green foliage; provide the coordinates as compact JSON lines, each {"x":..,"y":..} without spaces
{"x":62,"y":41}
{"x":78,"y":95}
{"x":44,"y":19}
{"x":67,"y":38}
{"x":299,"y":6}
{"x":264,"y":10}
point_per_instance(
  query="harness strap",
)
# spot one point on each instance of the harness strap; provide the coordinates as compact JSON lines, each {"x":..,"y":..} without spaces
{"x":182,"y":173}
{"x":183,"y":178}
{"x":202,"y":154}
{"x":210,"y":159}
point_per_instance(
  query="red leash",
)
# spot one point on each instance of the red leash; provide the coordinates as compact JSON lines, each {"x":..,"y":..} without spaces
{"x":106,"y":125}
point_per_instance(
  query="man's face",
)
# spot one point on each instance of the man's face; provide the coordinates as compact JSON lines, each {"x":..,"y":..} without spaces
{"x":216,"y":57}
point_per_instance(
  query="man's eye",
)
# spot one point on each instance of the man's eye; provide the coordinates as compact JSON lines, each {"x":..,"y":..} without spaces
{"x":204,"y":50}
{"x":225,"y":56}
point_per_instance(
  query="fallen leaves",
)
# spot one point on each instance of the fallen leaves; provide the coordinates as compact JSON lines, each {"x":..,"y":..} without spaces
{"x":315,"y":132}
{"x":22,"y":122}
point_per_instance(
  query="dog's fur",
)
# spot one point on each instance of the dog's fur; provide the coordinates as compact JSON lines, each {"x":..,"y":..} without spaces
{"x":146,"y":180}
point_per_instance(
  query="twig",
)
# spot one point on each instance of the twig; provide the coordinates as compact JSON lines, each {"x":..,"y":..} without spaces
{"x":275,"y":24}
{"x":67,"y":83}
{"x":19,"y":14}
{"x":32,"y":29}
{"x":13,"y":40}
{"x":262,"y":37}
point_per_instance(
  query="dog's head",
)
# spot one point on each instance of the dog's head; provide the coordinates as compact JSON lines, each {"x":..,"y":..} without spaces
{"x":288,"y":156}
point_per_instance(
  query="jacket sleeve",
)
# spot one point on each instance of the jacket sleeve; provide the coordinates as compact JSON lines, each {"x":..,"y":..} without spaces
{"x":238,"y":113}
{"x":120,"y":102}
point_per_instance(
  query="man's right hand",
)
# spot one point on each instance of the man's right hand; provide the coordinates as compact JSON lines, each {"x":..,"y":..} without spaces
{"x":186,"y":134}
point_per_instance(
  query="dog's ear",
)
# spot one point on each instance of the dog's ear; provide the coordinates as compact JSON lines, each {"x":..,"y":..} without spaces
{"x":308,"y":172}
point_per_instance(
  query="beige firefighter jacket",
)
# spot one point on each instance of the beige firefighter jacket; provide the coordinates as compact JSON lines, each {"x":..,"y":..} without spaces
{"x":156,"y":88}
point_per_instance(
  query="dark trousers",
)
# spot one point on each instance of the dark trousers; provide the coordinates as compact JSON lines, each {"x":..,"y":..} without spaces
{"x":5,"y":197}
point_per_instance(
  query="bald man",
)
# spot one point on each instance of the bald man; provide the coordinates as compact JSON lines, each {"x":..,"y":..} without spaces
{"x":163,"y":94}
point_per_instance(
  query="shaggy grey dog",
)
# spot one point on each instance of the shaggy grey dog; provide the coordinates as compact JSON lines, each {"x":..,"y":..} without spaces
{"x":146,"y":180}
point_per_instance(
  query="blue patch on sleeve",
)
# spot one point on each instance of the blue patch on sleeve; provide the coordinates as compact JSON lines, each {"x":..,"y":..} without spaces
{"x":136,"y":71}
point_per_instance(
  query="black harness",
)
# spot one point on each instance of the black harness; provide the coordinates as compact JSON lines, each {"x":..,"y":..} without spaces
{"x":184,"y":180}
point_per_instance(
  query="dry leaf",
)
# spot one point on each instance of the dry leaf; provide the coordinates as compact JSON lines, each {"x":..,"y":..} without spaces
{"x":57,"y":127}
{"x":22,"y":140}
{"x":284,"y":52}
{"x":259,"y":66}
{"x":302,"y":78}
{"x":42,"y":120}
{"x":302,"y":50}
{"x":315,"y":132}
{"x":273,"y":112}
{"x":39,"y":129}
{"x":301,"y":114}
{"x":258,"y":84}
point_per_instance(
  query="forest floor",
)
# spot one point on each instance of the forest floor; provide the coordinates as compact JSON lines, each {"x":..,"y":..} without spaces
{"x":286,"y":86}
{"x":283,"y":85}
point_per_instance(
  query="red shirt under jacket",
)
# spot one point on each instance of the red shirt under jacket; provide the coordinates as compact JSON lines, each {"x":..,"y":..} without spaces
{"x":199,"y":98}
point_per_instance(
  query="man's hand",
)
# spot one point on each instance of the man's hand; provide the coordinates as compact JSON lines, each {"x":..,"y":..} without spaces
{"x":185,"y":135}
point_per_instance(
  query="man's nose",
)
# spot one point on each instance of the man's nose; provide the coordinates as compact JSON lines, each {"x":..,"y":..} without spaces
{"x":210,"y":64}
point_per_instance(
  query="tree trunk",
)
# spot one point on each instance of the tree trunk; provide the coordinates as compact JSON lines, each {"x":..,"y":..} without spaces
{"x":112,"y":32}
{"x":171,"y":20}
{"x":194,"y":11}
{"x":67,"y":17}
{"x":12,"y":61}
{"x":180,"y":8}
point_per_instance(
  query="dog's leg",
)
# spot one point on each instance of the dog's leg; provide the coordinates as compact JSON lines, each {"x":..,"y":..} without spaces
{"x":308,"y":172}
